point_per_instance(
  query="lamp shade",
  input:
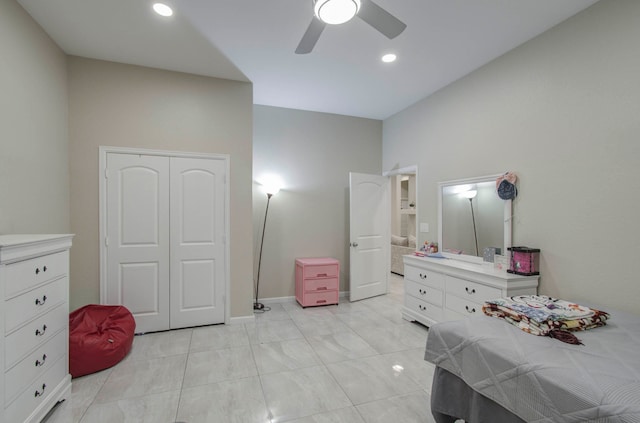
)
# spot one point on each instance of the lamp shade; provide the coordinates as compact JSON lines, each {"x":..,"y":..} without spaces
{"x":336,"y":12}
{"x":469,"y":194}
{"x":271,"y":184}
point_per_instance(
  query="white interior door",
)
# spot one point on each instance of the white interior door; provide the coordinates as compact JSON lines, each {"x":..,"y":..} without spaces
{"x":197,"y":241}
{"x":369,"y":221}
{"x":137,"y":241}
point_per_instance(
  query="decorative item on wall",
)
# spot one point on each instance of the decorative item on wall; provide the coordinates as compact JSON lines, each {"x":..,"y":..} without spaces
{"x":506,"y":186}
{"x":271,"y":186}
{"x":524,"y":261}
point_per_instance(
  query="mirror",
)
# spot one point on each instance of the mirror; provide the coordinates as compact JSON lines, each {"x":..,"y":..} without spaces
{"x":472,"y":217}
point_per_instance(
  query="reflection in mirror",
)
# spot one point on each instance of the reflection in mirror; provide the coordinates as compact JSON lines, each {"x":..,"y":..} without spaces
{"x":472,"y":217}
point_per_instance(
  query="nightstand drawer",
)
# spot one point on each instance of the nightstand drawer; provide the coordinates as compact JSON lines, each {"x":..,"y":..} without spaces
{"x":24,"y":307}
{"x":423,"y":292}
{"x":24,"y":275}
{"x":320,"y":271}
{"x":320,"y":298}
{"x":426,"y":277}
{"x":318,"y":285}
{"x":471,"y":291}
{"x":428,"y":310}
{"x":463,"y":306}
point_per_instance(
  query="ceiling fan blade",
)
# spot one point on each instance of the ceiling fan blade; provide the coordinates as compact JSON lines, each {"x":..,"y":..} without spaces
{"x":380,"y":19}
{"x":311,"y":36}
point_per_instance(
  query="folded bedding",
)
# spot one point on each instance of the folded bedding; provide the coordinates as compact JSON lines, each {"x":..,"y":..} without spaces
{"x":545,"y":316}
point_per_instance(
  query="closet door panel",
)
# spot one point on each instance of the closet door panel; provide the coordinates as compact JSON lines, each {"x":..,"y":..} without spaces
{"x":138,"y":237}
{"x":197,"y":241}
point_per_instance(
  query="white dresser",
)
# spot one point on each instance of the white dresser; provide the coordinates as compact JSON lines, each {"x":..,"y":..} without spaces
{"x":437,"y":290}
{"x":34,"y":308}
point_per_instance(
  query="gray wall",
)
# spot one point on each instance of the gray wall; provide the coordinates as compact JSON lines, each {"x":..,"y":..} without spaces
{"x":120,"y":105}
{"x":562,"y":111}
{"x":34,"y":167}
{"x":313,"y":153}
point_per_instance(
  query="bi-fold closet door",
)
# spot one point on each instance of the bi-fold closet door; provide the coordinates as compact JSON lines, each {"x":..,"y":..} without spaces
{"x":165,"y":226}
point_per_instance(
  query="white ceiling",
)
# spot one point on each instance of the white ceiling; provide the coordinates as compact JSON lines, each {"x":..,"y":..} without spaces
{"x":254,"y":40}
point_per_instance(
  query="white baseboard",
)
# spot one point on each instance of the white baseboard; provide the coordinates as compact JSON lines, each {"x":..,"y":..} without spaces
{"x":288,"y":300}
{"x":242,"y":320}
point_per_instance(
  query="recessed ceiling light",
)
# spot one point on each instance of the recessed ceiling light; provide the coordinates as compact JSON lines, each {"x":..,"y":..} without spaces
{"x":162,"y":9}
{"x":388,"y":58}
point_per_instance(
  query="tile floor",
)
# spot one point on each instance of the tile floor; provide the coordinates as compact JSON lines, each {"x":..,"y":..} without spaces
{"x":355,"y":363}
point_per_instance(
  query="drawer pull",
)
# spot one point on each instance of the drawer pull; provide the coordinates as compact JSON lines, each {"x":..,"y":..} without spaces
{"x":321,"y":275}
{"x":421,"y":307}
{"x":423,"y":276}
{"x":41,"y":363}
{"x":322,"y":288}
{"x":40,"y":393}
{"x":40,"y":333}
{"x":40,"y":302}
{"x":321,"y":301}
{"x":470,"y":310}
{"x":470,"y":291}
{"x":422,"y":292}
{"x":44,"y":269}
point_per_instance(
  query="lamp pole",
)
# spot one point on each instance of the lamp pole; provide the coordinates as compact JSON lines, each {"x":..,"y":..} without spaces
{"x":256,"y":304}
{"x":473,"y":217}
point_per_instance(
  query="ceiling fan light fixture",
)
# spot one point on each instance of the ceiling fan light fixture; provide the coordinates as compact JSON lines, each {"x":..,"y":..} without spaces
{"x":335,"y":12}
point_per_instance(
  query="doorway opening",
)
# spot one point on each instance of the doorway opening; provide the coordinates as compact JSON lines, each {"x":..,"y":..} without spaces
{"x":404,"y":212}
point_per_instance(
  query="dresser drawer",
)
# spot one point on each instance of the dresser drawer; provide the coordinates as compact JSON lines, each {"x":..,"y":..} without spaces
{"x":34,"y":365}
{"x":425,"y":277}
{"x":316,"y":285}
{"x":428,"y":310}
{"x":462,"y":306}
{"x":320,"y":271}
{"x":24,"y":307}
{"x":423,"y":292}
{"x":34,"y":333}
{"x":24,"y":275}
{"x":36,"y":393}
{"x":319,"y":298}
{"x":472,"y":291}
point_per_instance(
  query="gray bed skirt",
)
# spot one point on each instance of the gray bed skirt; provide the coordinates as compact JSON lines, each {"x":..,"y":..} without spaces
{"x":452,"y":399}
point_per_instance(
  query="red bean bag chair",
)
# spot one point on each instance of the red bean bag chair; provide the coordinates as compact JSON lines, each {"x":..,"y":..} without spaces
{"x":100,"y":336}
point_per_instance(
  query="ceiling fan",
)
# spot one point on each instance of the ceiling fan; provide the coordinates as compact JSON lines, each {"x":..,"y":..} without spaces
{"x":335,"y":12}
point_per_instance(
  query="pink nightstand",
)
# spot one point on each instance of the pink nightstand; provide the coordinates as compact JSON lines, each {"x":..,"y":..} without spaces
{"x":317,"y":281}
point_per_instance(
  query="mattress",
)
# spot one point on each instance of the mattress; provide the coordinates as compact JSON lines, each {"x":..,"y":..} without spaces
{"x":541,"y":379}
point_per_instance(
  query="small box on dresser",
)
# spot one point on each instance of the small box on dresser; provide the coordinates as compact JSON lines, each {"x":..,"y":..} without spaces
{"x":317,"y":281}
{"x":34,"y":308}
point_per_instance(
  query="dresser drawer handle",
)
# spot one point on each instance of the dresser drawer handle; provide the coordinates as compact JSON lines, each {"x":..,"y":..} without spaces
{"x":422,"y":292}
{"x":40,"y":333}
{"x":321,"y":301}
{"x":423,"y":276}
{"x":40,"y":393}
{"x":470,"y":310}
{"x":470,"y":291}
{"x":41,"y":363}
{"x":321,"y":275}
{"x":322,"y":288}
{"x":421,"y":307}
{"x":40,"y":302}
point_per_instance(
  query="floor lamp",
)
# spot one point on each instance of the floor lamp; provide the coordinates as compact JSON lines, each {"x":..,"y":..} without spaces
{"x":471,"y":195}
{"x":271,"y":191}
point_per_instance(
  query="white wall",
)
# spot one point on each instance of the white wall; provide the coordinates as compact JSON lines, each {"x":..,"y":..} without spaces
{"x":120,"y":105}
{"x":563,"y":112}
{"x":313,"y":153}
{"x":34,"y":167}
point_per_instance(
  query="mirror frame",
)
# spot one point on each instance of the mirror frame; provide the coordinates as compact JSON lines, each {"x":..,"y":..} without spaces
{"x":507,"y":215}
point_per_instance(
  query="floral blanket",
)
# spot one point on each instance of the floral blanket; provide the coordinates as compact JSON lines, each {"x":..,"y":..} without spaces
{"x":545,"y":316}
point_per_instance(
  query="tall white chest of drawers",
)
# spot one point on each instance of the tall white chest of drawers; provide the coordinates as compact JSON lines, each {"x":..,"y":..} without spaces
{"x":437,"y":290}
{"x":34,"y":308}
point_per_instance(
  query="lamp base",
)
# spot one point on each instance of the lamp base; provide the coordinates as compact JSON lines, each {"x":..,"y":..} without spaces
{"x":258,"y":306}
